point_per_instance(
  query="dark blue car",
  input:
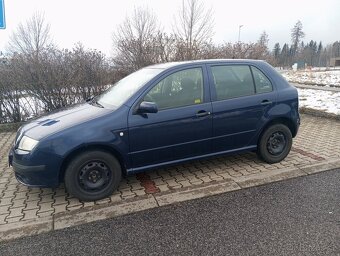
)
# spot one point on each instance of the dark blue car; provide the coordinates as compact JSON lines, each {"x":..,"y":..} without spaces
{"x":160,"y":115}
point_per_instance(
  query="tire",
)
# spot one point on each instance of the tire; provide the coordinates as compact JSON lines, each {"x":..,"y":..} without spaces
{"x":275,"y":143}
{"x":93,"y":175}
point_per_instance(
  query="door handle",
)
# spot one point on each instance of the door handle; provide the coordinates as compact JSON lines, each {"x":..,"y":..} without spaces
{"x":202,"y":113}
{"x":266,"y":102}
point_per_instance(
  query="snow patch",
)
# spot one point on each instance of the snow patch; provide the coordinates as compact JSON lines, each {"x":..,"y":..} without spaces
{"x":326,"y":101}
{"x":329,"y":78}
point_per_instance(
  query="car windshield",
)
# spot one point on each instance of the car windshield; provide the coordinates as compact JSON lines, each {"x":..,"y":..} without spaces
{"x":121,"y":91}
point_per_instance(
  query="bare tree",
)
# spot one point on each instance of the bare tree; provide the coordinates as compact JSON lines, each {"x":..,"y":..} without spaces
{"x":263,"y":40}
{"x":30,"y":37}
{"x":261,"y":50}
{"x":135,"y":39}
{"x":194,"y":26}
{"x":166,"y":48}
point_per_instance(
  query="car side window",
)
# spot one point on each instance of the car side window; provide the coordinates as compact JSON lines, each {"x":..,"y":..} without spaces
{"x":262,"y":83}
{"x":179,"y":89}
{"x":232,"y":81}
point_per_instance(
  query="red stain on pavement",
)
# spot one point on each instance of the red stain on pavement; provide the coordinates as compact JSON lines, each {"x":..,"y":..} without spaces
{"x":305,"y":153}
{"x":147,"y":183}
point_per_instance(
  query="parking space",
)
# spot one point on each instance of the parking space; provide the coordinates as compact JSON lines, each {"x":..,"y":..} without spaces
{"x":318,"y":141}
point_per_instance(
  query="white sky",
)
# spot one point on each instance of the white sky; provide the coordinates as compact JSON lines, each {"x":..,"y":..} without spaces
{"x":93,"y":22}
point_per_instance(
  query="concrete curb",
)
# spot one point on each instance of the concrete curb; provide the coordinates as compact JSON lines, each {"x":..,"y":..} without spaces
{"x":141,"y":203}
{"x":316,"y":87}
{"x":65,"y":220}
{"x":195,"y":192}
{"x":25,"y":228}
{"x":318,"y":113}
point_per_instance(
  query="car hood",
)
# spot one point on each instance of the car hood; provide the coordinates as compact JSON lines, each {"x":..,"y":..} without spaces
{"x":62,"y":119}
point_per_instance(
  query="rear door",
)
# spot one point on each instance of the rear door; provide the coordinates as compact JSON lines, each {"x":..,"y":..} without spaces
{"x":241,"y":95}
{"x":181,"y":129}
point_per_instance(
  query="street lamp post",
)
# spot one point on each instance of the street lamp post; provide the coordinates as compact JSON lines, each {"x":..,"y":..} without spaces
{"x":239,"y":32}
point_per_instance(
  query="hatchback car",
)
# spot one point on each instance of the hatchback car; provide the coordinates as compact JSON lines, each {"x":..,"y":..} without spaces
{"x":160,"y":115}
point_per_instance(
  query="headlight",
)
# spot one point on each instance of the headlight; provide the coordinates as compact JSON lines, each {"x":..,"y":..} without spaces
{"x":27,"y":143}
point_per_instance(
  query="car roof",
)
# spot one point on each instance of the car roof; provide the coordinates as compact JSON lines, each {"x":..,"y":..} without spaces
{"x":207,"y":61}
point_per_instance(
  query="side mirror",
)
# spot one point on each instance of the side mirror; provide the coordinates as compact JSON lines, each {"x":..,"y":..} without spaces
{"x":147,"y":107}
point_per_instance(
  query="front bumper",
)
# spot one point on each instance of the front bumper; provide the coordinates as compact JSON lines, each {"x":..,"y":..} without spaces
{"x":31,"y":174}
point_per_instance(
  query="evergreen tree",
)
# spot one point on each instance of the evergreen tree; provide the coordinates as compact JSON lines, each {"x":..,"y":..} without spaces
{"x":285,"y":55}
{"x":302,"y":46}
{"x":277,"y":50}
{"x":313,"y":48}
{"x":291,"y":55}
{"x":336,"y":49}
{"x":318,"y":54}
{"x":320,"y":47}
{"x":296,"y":34}
{"x":277,"y":53}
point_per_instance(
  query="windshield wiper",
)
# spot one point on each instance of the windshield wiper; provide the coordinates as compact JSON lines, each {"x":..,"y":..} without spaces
{"x":94,"y":102}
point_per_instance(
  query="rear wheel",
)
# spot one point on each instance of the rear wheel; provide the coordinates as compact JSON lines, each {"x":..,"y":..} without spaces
{"x":275,"y":143}
{"x":92,"y":175}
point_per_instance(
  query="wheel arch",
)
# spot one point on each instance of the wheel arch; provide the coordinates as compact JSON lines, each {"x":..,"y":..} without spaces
{"x":85,"y":148}
{"x":280,"y":120}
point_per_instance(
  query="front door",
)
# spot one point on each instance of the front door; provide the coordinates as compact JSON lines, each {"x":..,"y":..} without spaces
{"x":181,"y":129}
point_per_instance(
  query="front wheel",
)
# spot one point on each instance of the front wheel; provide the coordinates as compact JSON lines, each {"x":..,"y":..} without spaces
{"x":275,"y":143}
{"x":92,"y":175}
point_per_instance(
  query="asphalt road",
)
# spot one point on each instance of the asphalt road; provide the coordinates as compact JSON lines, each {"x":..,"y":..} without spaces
{"x":295,"y":217}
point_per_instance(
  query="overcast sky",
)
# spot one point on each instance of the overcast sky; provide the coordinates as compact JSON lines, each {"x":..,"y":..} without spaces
{"x":93,"y":22}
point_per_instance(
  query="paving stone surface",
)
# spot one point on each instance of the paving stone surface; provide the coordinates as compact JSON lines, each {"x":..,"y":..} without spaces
{"x":318,"y":141}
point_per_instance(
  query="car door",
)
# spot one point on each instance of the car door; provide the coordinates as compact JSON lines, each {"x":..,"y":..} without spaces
{"x":238,"y":105}
{"x":182,"y":127}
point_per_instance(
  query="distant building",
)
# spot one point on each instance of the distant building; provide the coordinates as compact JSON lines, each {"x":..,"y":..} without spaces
{"x":335,"y":62}
{"x":299,"y":65}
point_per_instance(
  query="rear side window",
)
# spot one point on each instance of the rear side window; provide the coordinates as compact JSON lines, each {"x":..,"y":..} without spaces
{"x":262,"y":83}
{"x":233,"y":81}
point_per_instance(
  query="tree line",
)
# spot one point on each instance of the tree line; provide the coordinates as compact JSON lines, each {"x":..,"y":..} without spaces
{"x":37,"y":76}
{"x":139,"y":42}
{"x":312,"y":53}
